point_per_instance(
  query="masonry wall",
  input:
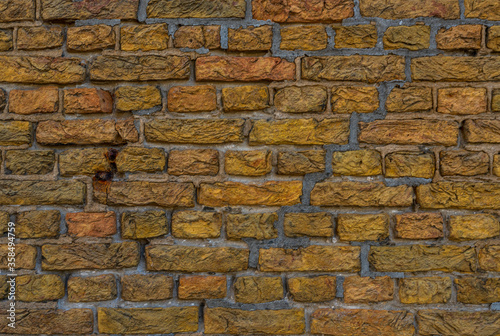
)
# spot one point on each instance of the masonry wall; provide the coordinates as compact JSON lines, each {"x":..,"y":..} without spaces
{"x":251,"y":166}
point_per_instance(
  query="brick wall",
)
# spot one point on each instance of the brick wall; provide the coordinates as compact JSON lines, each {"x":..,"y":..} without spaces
{"x":251,"y":166}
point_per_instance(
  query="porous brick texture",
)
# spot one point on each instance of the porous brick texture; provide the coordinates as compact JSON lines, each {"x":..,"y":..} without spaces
{"x":251,"y":167}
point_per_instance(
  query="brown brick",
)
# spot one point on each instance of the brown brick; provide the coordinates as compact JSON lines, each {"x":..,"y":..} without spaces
{"x":151,"y":287}
{"x":196,"y":224}
{"x":141,"y":225}
{"x":89,"y":289}
{"x":202,"y":287}
{"x":462,"y":100}
{"x":460,"y":195}
{"x":297,"y":99}
{"x":87,"y":161}
{"x":472,"y":290}
{"x":67,"y":10}
{"x":237,"y":322}
{"x":313,"y":289}
{"x":250,"y":38}
{"x":245,"y":69}
{"x":483,"y":9}
{"x":144,"y":37}
{"x":15,"y":133}
{"x":42,"y":100}
{"x":196,"y":259}
{"x":367,"y":290}
{"x":470,"y":227}
{"x":489,"y":258}
{"x":355,"y":322}
{"x":355,"y":227}
{"x":318,"y":224}
{"x":138,"y":159}
{"x":410,"y":99}
{"x":245,"y":98}
{"x":255,"y":225}
{"x":464,"y":163}
{"x":35,"y":288}
{"x":90,"y":38}
{"x":424,"y":290}
{"x":404,"y":9}
{"x":6,"y":40}
{"x":407,"y":37}
{"x":200,"y":98}
{"x":457,"y":323}
{"x":271,"y":193}
{"x":410,"y":164}
{"x":421,"y":258}
{"x":348,"y":99}
{"x":38,"y":224}
{"x":29,"y":162}
{"x":69,"y":192}
{"x":254,"y":289}
{"x":357,"y":163}
{"x":78,"y":132}
{"x":459,"y":37}
{"x":299,"y":132}
{"x":314,"y":258}
{"x":493,"y":35}
{"x":357,"y":36}
{"x":423,"y":225}
{"x":496,"y":164}
{"x":298,"y":11}
{"x":195,"y":37}
{"x":358,"y":68}
{"x":87,"y":100}
{"x":409,"y":132}
{"x":371,"y":194}
{"x":452,"y":68}
{"x":17,"y":10}
{"x":193,"y":162}
{"x":303,"y":38}
{"x":135,"y":98}
{"x":301,"y":162}
{"x":93,"y":224}
{"x":4,"y":224}
{"x":247,"y":163}
{"x":44,"y":37}
{"x":25,"y":256}
{"x":495,"y":101}
{"x":196,"y":9}
{"x":482,"y":131}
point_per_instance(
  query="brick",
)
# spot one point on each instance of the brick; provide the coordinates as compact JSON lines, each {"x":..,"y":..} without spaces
{"x":313,"y":289}
{"x":422,"y":258}
{"x":368,"y":290}
{"x":196,"y":259}
{"x":493,"y":38}
{"x":17,"y":10}
{"x":43,"y":37}
{"x":357,"y":322}
{"x":135,"y":98}
{"x":68,"y":192}
{"x":42,"y":100}
{"x":147,"y":320}
{"x":482,"y":131}
{"x":495,"y":101}
{"x":29,"y":162}
{"x":195,"y":37}
{"x":144,"y":37}
{"x":459,"y":37}
{"x":355,"y":227}
{"x":14,"y":133}
{"x":89,"y":100}
{"x":244,"y":69}
{"x":254,"y":225}
{"x":202,"y":287}
{"x":142,"y":225}
{"x":253,"y":289}
{"x":271,"y":193}
{"x":237,"y":321}
{"x":6,"y":40}
{"x":67,"y":10}
{"x":200,"y":98}
{"x":297,"y":99}
{"x":489,"y":258}
{"x":38,"y":224}
{"x":138,"y":159}
{"x":462,"y":101}
{"x":36,"y":288}
{"x":245,"y":98}
{"x":496,"y":164}
{"x":250,"y":38}
{"x":193,"y":162}
{"x":425,"y":290}
{"x":25,"y":256}
{"x":93,"y":224}
{"x":318,"y":224}
{"x":198,"y":131}
{"x":423,"y":225}
{"x":298,"y":11}
{"x":452,"y":68}
{"x":3,"y":99}
{"x":410,"y":164}
{"x":410,"y":99}
{"x":196,"y":224}
{"x":196,"y":9}
{"x":139,"y":68}
{"x":4,"y":224}
{"x":87,"y":161}
{"x":348,"y":99}
{"x":459,"y":195}
{"x":314,"y":258}
{"x":248,"y":163}
{"x":471,"y":227}
{"x":141,"y":193}
{"x":357,"y":68}
{"x":457,"y":323}
{"x":89,"y":289}
{"x":371,"y":194}
{"x":299,"y":132}
{"x":483,"y":9}
{"x":464,"y":163}
{"x":4,"y":287}
{"x":409,"y":132}
{"x":472,"y":290}
{"x":356,"y":36}
{"x":151,"y":287}
{"x":403,"y":9}
{"x":407,"y":37}
{"x":127,"y":130}
{"x":91,"y":38}
{"x":357,"y":163}
{"x":303,"y":38}
{"x":78,"y":256}
{"x":301,"y":162}
{"x":78,"y":132}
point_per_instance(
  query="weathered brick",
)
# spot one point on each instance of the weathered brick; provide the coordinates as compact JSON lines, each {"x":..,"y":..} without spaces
{"x":247,"y":163}
{"x":196,"y":224}
{"x":421,"y":258}
{"x":489,"y":258}
{"x":14,"y":133}
{"x":87,"y":100}
{"x":29,"y":162}
{"x":457,"y":323}
{"x":355,"y":227}
{"x":93,"y":224}
{"x":42,"y":100}
{"x":410,"y":99}
{"x":4,"y":287}
{"x":245,"y":98}
{"x":193,"y":162}
{"x":422,"y":225}
{"x":271,"y":193}
{"x":348,"y":99}
{"x":367,"y":290}
{"x":404,"y":9}
{"x":135,"y":98}
{"x":250,"y":38}
{"x":6,"y":40}
{"x":464,"y":163}
{"x":371,"y":194}
{"x":202,"y":287}
{"x":17,"y":10}
{"x":483,"y":9}
{"x":201,"y":98}
{"x":236,"y":321}
{"x":472,"y":290}
{"x":301,"y":162}
{"x":25,"y":256}
{"x":245,"y":69}
{"x":424,"y":290}
{"x":144,"y":37}
{"x":313,"y":289}
{"x":314,"y":258}
{"x":303,"y":38}
{"x":469,"y":227}
{"x":452,"y":68}
{"x":4,"y":225}
{"x":258,"y":225}
{"x":357,"y":163}
{"x":43,"y":37}
{"x":195,"y":37}
{"x":496,"y":164}
{"x":495,"y":101}
{"x":94,"y":288}
{"x":493,"y":41}
{"x":299,"y":132}
{"x":69,"y":192}
{"x":138,"y":159}
{"x":459,"y":37}
{"x":34,"y":288}
{"x":415,"y":37}
{"x":67,"y":10}
{"x":90,"y":38}
{"x":151,"y":287}
{"x":410,"y":164}
{"x":299,"y":11}
{"x":196,"y":9}
{"x":462,"y":100}
{"x":196,"y":259}
{"x":409,"y":132}
{"x":460,"y":195}
{"x":254,"y":289}
{"x":127,"y":130}
{"x":357,"y":36}
{"x":318,"y":224}
{"x":482,"y":131}
{"x":87,"y":161}
{"x":141,"y":225}
{"x":78,"y":132}
{"x":38,"y":224}
{"x":77,"y":256}
{"x":3,"y":99}
{"x":358,"y":68}
{"x":297,"y":99}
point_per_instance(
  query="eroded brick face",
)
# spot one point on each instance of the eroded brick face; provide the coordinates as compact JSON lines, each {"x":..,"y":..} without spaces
{"x":251,"y":167}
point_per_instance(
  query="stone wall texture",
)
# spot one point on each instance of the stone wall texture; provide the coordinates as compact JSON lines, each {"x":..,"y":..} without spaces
{"x":248,"y":167}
